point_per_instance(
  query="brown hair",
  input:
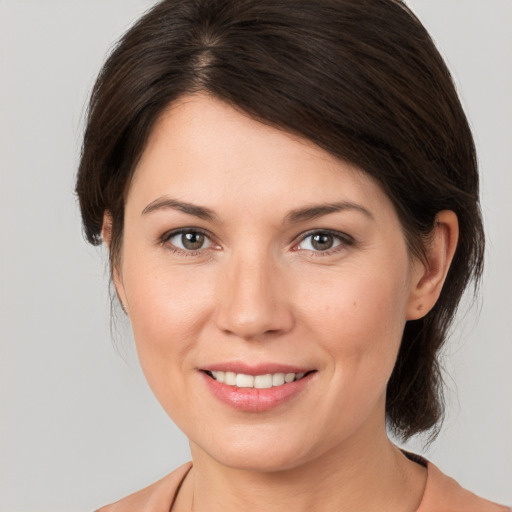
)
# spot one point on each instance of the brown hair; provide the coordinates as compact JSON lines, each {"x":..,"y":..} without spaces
{"x":360,"y":78}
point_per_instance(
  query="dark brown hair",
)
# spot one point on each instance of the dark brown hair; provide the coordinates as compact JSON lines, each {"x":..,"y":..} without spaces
{"x":360,"y":78}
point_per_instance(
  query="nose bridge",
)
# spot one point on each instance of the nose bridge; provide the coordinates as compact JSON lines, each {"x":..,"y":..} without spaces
{"x":252,"y":300}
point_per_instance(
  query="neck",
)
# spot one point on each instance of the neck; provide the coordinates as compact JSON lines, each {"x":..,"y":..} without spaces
{"x":354,"y":477}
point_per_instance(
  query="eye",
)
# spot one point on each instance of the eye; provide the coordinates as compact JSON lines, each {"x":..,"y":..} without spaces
{"x":323,"y":241}
{"x":188,"y":240}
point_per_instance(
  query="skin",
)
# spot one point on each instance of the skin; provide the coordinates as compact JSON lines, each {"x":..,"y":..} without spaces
{"x":259,"y":291}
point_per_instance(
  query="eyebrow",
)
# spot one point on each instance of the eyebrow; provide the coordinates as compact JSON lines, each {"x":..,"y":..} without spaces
{"x":191,"y":209}
{"x":315,"y":211}
{"x":297,"y":215}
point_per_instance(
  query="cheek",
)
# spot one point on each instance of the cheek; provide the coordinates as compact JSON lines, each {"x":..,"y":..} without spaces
{"x":167,"y":311}
{"x":359,"y":320}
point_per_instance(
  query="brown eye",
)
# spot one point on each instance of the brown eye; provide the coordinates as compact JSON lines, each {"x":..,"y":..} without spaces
{"x":192,"y":241}
{"x":189,"y":240}
{"x":322,"y":241}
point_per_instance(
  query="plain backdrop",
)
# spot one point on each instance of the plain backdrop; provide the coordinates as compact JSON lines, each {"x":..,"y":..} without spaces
{"x":79,"y":426}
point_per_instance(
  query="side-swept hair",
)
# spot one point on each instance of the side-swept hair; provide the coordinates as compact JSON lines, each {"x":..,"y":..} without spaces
{"x":360,"y":78}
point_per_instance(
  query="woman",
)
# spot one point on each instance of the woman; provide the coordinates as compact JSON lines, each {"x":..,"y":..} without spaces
{"x":289,"y":194}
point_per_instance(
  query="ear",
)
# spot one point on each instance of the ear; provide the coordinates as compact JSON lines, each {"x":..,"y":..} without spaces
{"x":106,"y":228}
{"x":429,"y":276}
{"x":115,"y":271}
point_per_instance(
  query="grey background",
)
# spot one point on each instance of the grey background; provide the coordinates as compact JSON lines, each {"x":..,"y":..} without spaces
{"x":79,"y":426}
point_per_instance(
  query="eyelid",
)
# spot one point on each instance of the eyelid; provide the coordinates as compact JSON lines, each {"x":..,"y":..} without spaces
{"x":178,"y":231}
{"x":345,"y":241}
{"x":164,"y":239}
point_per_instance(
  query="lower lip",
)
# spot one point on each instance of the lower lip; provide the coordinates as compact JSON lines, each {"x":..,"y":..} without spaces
{"x":256,"y":400}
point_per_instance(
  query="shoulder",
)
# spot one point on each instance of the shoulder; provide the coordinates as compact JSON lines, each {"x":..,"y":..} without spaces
{"x":156,"y":497}
{"x":444,"y":494}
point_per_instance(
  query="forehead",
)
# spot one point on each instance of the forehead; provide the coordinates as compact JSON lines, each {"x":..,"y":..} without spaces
{"x":201,"y":149}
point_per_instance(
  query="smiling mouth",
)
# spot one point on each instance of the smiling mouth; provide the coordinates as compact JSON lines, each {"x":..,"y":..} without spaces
{"x":265,"y":381}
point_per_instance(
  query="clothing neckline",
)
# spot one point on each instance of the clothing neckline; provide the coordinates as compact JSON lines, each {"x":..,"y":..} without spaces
{"x":418,"y":459}
{"x":441,"y":492}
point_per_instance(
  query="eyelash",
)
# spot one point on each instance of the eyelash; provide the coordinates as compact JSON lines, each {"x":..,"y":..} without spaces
{"x":343,"y":239}
{"x":171,"y":234}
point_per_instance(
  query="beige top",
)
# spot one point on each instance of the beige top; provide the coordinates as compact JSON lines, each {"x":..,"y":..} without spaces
{"x":442,"y":494}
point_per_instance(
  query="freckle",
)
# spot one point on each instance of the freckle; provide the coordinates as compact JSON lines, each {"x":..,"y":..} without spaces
{"x":355,"y":304}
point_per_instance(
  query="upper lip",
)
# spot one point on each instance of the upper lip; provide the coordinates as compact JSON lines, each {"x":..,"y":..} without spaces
{"x":255,"y":369}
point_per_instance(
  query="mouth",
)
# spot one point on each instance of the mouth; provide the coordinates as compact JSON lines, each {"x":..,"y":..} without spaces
{"x":263,"y":381}
{"x":256,"y":389}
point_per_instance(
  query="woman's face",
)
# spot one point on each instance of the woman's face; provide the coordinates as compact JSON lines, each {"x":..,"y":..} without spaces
{"x":250,"y":252}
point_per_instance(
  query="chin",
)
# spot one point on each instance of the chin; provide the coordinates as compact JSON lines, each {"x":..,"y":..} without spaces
{"x":254,"y":461}
{"x":252,"y":452}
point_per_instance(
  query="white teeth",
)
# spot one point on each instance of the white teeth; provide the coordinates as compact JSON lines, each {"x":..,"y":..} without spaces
{"x":244,"y":381}
{"x":230,"y":378}
{"x":269,"y":380}
{"x":278,"y":379}
{"x":263,"y":381}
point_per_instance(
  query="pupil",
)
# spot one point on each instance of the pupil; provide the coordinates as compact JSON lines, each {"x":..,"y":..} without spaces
{"x":322,"y":242}
{"x":192,"y":241}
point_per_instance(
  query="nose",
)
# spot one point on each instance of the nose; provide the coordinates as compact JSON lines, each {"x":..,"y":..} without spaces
{"x":253,"y":302}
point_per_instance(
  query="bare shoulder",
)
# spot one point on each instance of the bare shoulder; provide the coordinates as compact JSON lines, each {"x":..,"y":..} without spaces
{"x":157,"y":497}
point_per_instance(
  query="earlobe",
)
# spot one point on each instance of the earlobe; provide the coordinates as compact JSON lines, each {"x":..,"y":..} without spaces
{"x":106,"y":233}
{"x":430,"y":276}
{"x":106,"y":228}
